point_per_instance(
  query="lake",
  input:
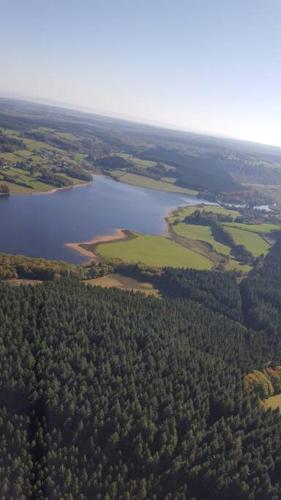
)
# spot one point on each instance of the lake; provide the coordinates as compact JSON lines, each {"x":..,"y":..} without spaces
{"x":39,"y":225}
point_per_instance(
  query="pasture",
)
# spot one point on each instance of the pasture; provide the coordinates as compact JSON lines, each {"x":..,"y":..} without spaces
{"x":200,"y":233}
{"x":154,"y":251}
{"x":148,"y":182}
{"x":116,"y":280}
{"x":253,"y":242}
{"x":255,"y":228}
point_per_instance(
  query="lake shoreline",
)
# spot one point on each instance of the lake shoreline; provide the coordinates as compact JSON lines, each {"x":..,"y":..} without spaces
{"x":118,"y":235}
{"x":168,"y":229}
{"x":35,"y":192}
{"x":54,"y":190}
{"x":68,"y":225}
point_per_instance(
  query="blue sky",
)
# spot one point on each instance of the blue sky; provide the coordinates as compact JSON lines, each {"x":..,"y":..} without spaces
{"x":201,"y":65}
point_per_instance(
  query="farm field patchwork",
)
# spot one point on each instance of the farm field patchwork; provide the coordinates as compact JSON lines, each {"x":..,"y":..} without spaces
{"x":30,"y":159}
{"x":249,"y":235}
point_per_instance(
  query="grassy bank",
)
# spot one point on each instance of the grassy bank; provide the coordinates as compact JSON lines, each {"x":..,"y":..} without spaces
{"x":200,"y":233}
{"x":155,"y":251}
{"x":148,"y":182}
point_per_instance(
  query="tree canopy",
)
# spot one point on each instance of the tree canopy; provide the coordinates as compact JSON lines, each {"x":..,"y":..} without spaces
{"x":108,"y":394}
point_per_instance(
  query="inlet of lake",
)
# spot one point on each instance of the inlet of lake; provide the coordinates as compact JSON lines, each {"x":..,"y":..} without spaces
{"x":39,"y":225}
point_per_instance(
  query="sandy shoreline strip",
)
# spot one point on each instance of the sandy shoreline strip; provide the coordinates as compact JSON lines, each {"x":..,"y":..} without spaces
{"x":169,"y":213}
{"x":64,"y":188}
{"x":118,"y":235}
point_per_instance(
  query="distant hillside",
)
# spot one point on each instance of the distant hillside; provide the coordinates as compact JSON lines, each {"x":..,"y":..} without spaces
{"x":199,"y":172}
{"x":53,"y":146}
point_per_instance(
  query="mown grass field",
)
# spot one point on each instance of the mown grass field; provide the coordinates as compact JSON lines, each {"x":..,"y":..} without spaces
{"x":255,"y":228}
{"x":116,"y":280}
{"x":253,"y":242}
{"x":155,"y":251}
{"x":200,"y":233}
{"x":147,"y":182}
{"x":273,"y":403}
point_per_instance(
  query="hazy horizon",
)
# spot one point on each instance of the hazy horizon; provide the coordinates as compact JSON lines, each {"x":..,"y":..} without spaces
{"x":203,"y":68}
{"x":134,"y":121}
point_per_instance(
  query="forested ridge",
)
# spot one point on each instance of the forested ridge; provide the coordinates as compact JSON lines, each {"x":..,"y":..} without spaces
{"x":108,"y":394}
{"x":261,"y":293}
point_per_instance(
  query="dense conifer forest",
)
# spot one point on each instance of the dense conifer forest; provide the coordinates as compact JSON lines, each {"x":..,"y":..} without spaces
{"x":109,"y":394}
{"x":262,"y":295}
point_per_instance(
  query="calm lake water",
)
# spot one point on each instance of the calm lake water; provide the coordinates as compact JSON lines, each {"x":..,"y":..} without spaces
{"x":39,"y":225}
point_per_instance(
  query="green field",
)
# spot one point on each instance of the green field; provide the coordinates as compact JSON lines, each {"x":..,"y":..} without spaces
{"x":154,"y":251}
{"x":253,"y":242}
{"x":39,"y":146}
{"x":15,"y":189}
{"x":116,"y":280}
{"x":273,"y":403}
{"x":138,"y":162}
{"x":183,"y":212}
{"x":200,"y":233}
{"x":255,"y":228}
{"x":147,"y":182}
{"x":66,"y":136}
